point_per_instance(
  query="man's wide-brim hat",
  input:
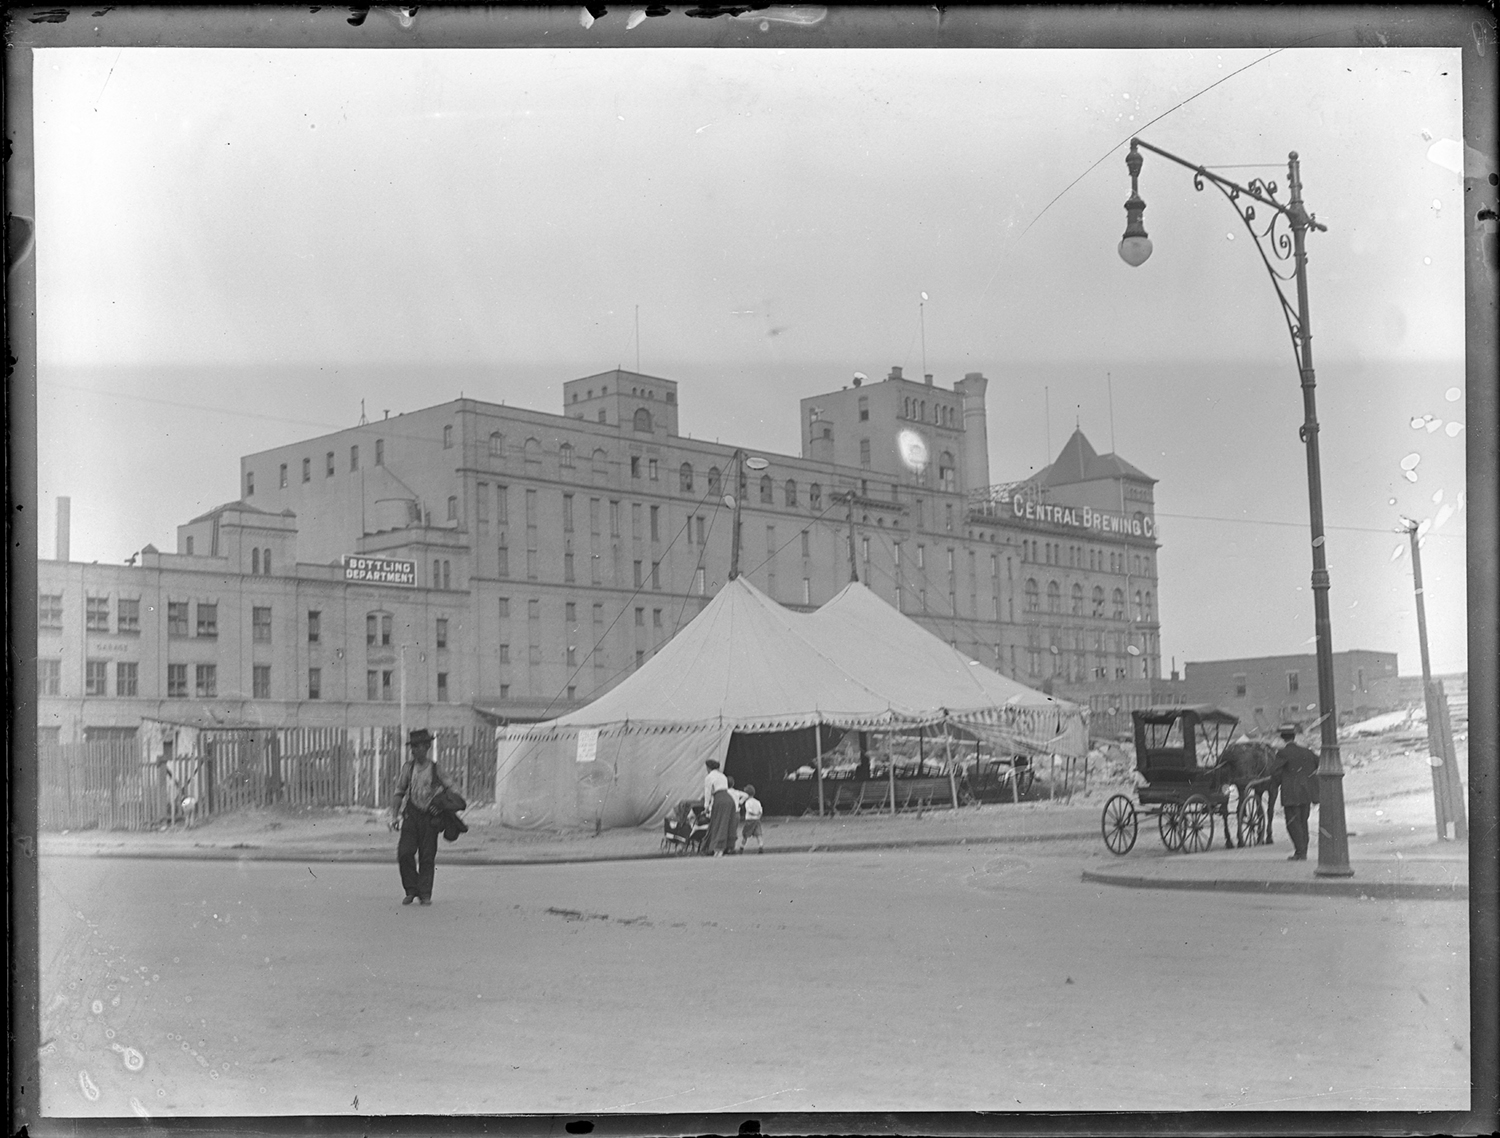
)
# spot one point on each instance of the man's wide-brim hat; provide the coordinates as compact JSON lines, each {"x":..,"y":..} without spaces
{"x":1288,"y":729}
{"x":421,"y":737}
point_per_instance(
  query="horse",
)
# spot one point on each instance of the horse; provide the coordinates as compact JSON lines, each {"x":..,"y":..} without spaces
{"x":1242,"y":764}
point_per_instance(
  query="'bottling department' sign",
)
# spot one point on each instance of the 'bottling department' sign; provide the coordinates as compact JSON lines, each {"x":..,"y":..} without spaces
{"x":380,"y":571}
{"x":1082,"y":517}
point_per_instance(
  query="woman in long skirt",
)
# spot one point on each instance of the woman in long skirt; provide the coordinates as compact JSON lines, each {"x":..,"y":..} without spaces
{"x":719,"y":803}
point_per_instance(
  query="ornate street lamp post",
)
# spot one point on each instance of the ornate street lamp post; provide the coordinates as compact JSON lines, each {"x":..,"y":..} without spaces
{"x":1276,"y":247}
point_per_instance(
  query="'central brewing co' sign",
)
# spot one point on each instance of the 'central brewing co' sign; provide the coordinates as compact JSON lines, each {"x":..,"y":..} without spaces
{"x":380,"y":571}
{"x":1082,"y":517}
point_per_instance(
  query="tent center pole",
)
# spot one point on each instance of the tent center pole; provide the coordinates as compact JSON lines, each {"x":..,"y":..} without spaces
{"x":818,"y":741}
{"x":948,"y":761}
{"x":890,"y":766}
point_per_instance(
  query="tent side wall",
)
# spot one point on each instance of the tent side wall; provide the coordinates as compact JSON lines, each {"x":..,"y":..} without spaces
{"x":637,"y":775}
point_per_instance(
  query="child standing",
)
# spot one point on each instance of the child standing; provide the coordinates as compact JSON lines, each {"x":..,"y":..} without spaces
{"x":752,"y":812}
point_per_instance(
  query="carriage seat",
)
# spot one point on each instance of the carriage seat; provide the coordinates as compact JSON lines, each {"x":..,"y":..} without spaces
{"x":1168,"y":767}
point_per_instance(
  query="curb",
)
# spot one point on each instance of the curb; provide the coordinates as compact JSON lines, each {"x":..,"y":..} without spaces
{"x":1345,"y":887}
{"x":365,"y":857}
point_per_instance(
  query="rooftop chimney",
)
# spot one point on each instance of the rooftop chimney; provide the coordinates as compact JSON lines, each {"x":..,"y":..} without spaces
{"x":64,"y":509}
{"x":895,"y":373}
{"x":976,"y":444}
{"x":928,"y":379}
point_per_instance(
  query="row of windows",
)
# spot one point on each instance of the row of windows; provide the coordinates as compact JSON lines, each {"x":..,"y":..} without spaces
{"x":378,"y":625}
{"x":1099,"y":560}
{"x":942,"y":414}
{"x":1143,"y":603}
{"x":1293,"y":683}
{"x":330,"y":457}
{"x":328,"y":464}
{"x":205,"y":681}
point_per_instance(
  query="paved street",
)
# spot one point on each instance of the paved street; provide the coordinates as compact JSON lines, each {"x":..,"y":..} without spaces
{"x":960,"y":978}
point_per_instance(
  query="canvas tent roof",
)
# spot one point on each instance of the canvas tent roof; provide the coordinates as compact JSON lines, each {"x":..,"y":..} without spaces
{"x":874,"y":643}
{"x":746,"y":664}
{"x":741,"y":662}
{"x":750,"y":664}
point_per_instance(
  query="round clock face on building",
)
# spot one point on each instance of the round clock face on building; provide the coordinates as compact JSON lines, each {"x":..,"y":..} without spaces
{"x":913,"y":450}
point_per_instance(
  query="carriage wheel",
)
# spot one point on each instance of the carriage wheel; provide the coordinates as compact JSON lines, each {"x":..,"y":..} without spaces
{"x":1197,"y":824}
{"x":1119,"y":825}
{"x":1169,"y":826}
{"x":1252,"y":819}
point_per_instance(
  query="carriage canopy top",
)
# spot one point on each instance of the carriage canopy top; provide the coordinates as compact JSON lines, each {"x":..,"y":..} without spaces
{"x":1203,"y":712}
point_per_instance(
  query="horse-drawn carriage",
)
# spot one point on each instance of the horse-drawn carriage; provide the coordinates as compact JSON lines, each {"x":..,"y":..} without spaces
{"x":1187,"y":765}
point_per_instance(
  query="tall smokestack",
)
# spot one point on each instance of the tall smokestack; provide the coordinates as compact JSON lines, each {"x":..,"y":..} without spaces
{"x":976,"y":431}
{"x":64,"y":510}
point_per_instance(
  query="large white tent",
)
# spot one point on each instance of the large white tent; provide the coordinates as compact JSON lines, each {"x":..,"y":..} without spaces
{"x":747,"y":665}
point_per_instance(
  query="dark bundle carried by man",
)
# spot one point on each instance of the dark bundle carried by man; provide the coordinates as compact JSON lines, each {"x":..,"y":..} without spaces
{"x":445,"y":807}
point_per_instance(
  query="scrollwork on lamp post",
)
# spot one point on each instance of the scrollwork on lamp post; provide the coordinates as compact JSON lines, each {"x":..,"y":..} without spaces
{"x":1277,"y":247}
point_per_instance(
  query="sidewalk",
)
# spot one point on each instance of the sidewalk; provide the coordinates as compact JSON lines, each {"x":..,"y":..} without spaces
{"x":360,"y":836}
{"x":1393,"y":850}
{"x":1392,"y":845}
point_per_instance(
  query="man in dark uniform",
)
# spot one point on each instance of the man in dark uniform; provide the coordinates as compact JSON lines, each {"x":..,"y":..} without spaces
{"x":1296,"y":773}
{"x":416,"y":853}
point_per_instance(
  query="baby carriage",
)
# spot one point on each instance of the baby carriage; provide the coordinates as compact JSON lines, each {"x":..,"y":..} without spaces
{"x":685,"y":829}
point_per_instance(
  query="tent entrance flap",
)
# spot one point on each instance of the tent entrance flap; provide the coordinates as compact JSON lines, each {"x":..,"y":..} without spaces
{"x":765,"y":759}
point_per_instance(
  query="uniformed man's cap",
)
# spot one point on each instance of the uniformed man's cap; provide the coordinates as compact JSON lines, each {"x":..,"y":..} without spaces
{"x":1288,"y":729}
{"x":421,"y":737}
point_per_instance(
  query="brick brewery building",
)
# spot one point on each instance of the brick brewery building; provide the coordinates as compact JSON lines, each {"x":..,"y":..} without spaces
{"x":492,"y":563}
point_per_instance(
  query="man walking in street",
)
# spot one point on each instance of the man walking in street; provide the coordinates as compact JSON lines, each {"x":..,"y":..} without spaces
{"x":1296,"y":773}
{"x":416,"y":853}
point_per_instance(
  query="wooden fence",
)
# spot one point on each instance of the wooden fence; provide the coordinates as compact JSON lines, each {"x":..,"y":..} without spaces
{"x":114,"y":785}
{"x":102,"y":785}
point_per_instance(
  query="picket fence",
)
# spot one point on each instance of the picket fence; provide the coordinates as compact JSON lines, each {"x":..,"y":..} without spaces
{"x":112,"y":784}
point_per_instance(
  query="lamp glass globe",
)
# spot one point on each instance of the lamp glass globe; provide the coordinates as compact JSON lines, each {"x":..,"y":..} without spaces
{"x":1135,"y":250}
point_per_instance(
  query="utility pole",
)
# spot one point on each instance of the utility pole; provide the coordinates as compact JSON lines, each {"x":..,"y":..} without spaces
{"x":1447,"y":785}
{"x":741,"y":462}
{"x":853,"y":564}
{"x":401,"y":743}
{"x":734,"y":531}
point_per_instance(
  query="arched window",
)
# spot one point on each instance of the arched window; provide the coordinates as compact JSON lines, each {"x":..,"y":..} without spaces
{"x":791,"y":492}
{"x":497,"y":445}
{"x":715,"y":480}
{"x":1077,"y":600}
{"x":906,"y":408}
{"x":922,"y":414}
{"x":1149,"y":615}
{"x":265,"y":562}
{"x":643,"y":420}
{"x":1140,"y":611}
{"x":1033,"y":597}
{"x":1098,"y":601}
{"x":767,"y":490}
{"x":947,"y":479}
{"x":255,"y":561}
{"x":601,"y":464}
{"x":1118,"y":600}
{"x":533,"y":451}
{"x":1054,"y":596}
{"x":815,"y":496}
{"x":685,"y":477}
{"x":452,"y":509}
{"x":565,"y":455}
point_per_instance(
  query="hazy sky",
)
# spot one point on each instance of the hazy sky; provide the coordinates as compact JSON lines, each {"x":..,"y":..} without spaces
{"x":236,"y":246}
